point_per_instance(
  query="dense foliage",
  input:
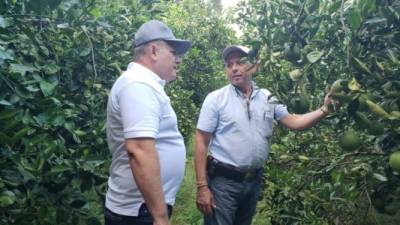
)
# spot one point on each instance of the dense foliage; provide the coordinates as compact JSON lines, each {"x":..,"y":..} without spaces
{"x":58,"y":61}
{"x":59,"y":58}
{"x":338,"y":172}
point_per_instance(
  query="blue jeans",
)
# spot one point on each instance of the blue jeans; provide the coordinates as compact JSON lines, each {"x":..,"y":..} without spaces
{"x":236,"y":201}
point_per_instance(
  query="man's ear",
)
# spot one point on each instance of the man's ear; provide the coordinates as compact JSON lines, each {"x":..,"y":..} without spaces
{"x":153,"y":51}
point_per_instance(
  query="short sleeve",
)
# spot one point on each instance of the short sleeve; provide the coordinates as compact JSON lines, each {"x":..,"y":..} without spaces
{"x":140,"y":110}
{"x":280,"y":111}
{"x":208,"y":118}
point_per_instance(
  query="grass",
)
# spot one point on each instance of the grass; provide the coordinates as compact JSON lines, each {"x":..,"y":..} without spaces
{"x":185,"y":210}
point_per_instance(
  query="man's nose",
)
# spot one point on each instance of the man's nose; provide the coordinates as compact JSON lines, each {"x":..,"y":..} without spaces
{"x":235,"y":67}
{"x":178,"y":59}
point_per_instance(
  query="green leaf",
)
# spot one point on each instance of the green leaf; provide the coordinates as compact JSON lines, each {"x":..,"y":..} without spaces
{"x":5,"y":139}
{"x":334,"y":6}
{"x":394,"y":115}
{"x":58,"y":120}
{"x":80,"y":132}
{"x":362,"y":65}
{"x":32,"y":88}
{"x":69,"y":126}
{"x":44,"y":50}
{"x":18,"y":135}
{"x":4,"y":114}
{"x":62,"y":25}
{"x":9,"y":124}
{"x":375,"y":20}
{"x":4,"y":54}
{"x":56,"y":101}
{"x":4,"y":22}
{"x":37,"y":139}
{"x":354,"y":18}
{"x":22,"y":69}
{"x":60,"y":169}
{"x":7,"y":198}
{"x":291,"y":4}
{"x":380,"y":177}
{"x":27,"y":175}
{"x":354,"y":85}
{"x":392,"y":56}
{"x":377,"y":109}
{"x":42,"y":118}
{"x":52,"y":69}
{"x":367,"y":6}
{"x":85,"y":52}
{"x":314,"y":56}
{"x":47,"y":88}
{"x":95,"y":12}
{"x":5,"y":102}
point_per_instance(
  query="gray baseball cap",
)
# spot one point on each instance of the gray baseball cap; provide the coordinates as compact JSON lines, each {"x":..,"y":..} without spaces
{"x":156,"y":30}
{"x":235,"y":48}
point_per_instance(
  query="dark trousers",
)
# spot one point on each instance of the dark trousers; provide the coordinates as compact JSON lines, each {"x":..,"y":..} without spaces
{"x":235,"y":200}
{"x":235,"y":194}
{"x":143,"y":218}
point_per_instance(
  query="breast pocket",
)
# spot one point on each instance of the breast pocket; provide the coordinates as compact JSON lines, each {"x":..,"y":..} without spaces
{"x":265,"y":122}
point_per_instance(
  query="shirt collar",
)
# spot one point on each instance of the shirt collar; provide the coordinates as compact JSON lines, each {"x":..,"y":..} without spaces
{"x":240,"y":93}
{"x":147,"y":72}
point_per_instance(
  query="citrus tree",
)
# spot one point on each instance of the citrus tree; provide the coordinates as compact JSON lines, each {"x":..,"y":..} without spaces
{"x":338,"y":172}
{"x":58,"y":60}
{"x":202,"y":69}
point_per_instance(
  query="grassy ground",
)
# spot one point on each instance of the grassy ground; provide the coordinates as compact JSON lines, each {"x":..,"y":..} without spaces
{"x":185,"y":210}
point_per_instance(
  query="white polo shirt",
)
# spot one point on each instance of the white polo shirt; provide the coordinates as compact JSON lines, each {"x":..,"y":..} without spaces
{"x":138,"y":107}
{"x":241,"y":132}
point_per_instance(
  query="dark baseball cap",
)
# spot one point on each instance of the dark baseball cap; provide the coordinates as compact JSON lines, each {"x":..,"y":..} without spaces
{"x":235,"y":48}
{"x":156,"y":30}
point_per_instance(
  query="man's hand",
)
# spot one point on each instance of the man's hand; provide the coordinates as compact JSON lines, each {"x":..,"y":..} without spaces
{"x":251,"y":68}
{"x":329,"y":102}
{"x":205,"y":200}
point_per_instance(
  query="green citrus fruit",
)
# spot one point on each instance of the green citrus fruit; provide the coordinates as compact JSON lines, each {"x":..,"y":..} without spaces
{"x":338,"y":86}
{"x":362,"y":120}
{"x":296,"y":74}
{"x":292,"y":53}
{"x":350,"y":140}
{"x":394,"y":161}
{"x":300,"y":104}
{"x":376,"y":128}
{"x":341,"y":97}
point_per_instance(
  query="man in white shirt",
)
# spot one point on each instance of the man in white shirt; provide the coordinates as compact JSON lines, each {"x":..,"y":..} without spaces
{"x":236,"y":125}
{"x":148,"y":152}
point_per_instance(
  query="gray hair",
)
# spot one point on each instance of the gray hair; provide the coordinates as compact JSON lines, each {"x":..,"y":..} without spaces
{"x":140,"y":50}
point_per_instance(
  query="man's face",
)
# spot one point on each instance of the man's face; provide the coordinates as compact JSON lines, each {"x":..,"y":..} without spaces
{"x":236,"y":70}
{"x":167,"y":61}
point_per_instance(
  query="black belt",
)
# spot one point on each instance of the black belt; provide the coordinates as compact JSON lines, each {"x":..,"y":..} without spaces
{"x":144,"y":215}
{"x":217,"y":168}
